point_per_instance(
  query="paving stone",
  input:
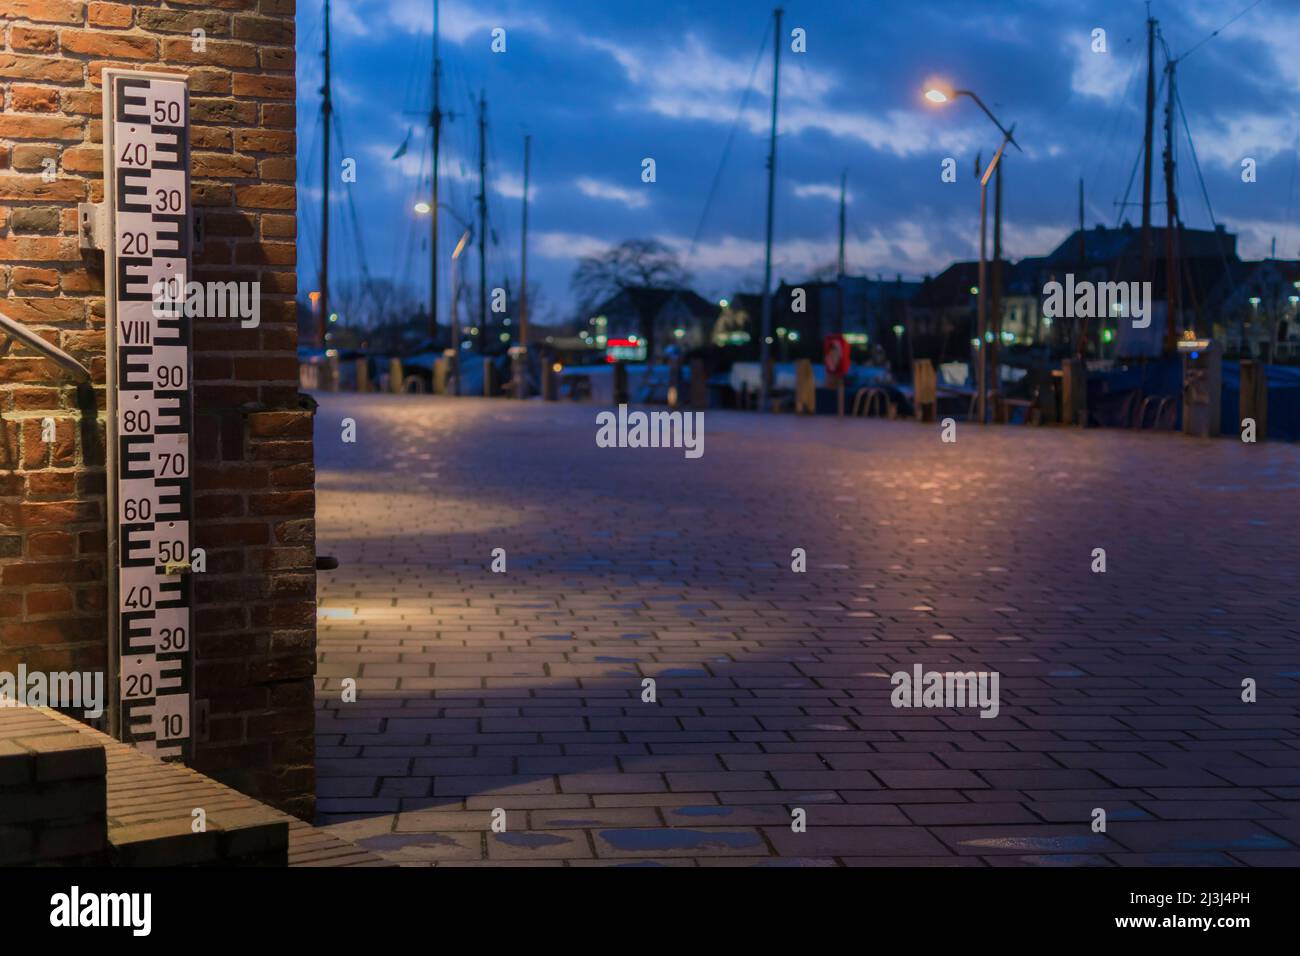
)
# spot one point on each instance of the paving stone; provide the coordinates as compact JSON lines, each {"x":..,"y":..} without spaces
{"x":522,"y":690}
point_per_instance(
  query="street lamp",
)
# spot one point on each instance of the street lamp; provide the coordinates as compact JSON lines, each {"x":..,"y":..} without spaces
{"x":940,"y":93}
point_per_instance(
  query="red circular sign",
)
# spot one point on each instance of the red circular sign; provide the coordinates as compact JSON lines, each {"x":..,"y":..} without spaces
{"x":835,"y":354}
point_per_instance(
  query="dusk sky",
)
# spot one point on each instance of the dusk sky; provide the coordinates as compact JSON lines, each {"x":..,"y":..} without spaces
{"x":602,"y":85}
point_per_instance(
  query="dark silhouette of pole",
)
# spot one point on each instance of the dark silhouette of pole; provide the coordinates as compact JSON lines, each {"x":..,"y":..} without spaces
{"x":995,"y":285}
{"x":322,"y":319}
{"x":982,"y":292}
{"x":981,"y":299}
{"x":843,"y":184}
{"x":466,"y":237}
{"x":839,"y":323}
{"x":981,"y":372}
{"x":521,"y":366}
{"x":1080,"y":330}
{"x":482,"y":221}
{"x":1171,"y":219}
{"x":523,"y":254}
{"x":435,"y":120}
{"x":1147,"y":147}
{"x":765,"y":347}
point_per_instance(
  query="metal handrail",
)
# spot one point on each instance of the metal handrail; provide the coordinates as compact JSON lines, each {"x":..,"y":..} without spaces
{"x":20,"y":333}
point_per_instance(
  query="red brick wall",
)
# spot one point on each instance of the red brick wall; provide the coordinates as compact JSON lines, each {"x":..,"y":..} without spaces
{"x":254,"y":500}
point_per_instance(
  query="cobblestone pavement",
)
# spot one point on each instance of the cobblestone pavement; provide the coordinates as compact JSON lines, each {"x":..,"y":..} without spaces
{"x":523,"y":690}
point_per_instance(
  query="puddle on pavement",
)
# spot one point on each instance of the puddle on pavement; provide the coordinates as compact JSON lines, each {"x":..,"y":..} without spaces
{"x":530,"y":841}
{"x":704,"y":811}
{"x":1256,"y":841}
{"x":1070,"y":844}
{"x":674,"y":839}
{"x":399,"y":841}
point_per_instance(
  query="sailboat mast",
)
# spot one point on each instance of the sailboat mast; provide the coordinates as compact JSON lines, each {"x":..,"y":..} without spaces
{"x":1147,"y":147}
{"x":1171,"y":219}
{"x":435,"y":120}
{"x":482,"y":221}
{"x":765,"y":344}
{"x":523,"y":254}
{"x":322,"y":319}
{"x":839,"y":266}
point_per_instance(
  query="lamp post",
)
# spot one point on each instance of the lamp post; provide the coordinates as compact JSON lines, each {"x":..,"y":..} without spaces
{"x":465,"y":238}
{"x":939,"y":94}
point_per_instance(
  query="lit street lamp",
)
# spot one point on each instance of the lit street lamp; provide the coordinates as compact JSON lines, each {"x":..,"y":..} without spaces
{"x":940,"y":94}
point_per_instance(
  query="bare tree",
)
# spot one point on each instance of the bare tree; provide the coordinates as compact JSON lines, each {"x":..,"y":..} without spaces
{"x":632,"y":264}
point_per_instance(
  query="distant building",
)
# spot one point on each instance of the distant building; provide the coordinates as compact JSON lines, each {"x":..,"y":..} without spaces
{"x":1258,"y":309}
{"x":871,"y":308}
{"x":662,"y":317}
{"x":865,"y":310}
{"x":943,"y":315}
{"x":942,"y":318}
{"x":1205,"y":258}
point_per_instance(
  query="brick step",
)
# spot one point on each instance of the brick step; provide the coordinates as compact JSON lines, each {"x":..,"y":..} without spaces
{"x":52,"y":792}
{"x":152,"y":819}
{"x":72,"y":795}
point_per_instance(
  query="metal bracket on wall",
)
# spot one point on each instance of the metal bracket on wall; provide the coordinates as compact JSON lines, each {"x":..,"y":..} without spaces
{"x":92,"y":226}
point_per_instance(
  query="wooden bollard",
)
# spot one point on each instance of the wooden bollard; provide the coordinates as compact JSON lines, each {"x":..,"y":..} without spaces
{"x":620,"y":384}
{"x":332,"y":363}
{"x":363,"y":374}
{"x":395,"y":375}
{"x":1074,"y":392}
{"x":1254,"y":396}
{"x":699,"y":384}
{"x":550,"y":379}
{"x":805,"y":388}
{"x":925,"y":390}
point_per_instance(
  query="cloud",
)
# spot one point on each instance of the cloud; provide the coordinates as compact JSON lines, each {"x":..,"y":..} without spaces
{"x":400,"y":172}
{"x":457,"y":22}
{"x":909,"y":246}
{"x":821,"y":191}
{"x":1255,"y":237}
{"x":565,"y":246}
{"x":511,"y":186}
{"x":597,"y":189}
{"x":1227,"y":140}
{"x":1101,"y":75}
{"x":699,"y":82}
